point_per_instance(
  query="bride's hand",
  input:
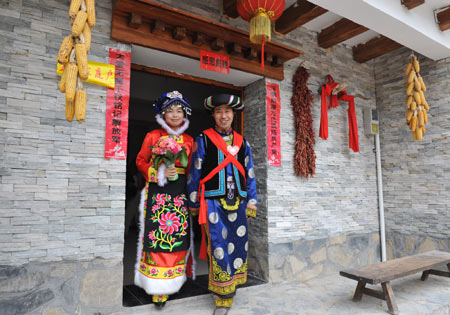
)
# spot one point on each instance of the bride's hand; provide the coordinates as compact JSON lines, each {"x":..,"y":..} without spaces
{"x":170,"y":172}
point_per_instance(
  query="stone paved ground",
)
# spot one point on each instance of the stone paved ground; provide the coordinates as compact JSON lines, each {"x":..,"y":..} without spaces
{"x":326,"y":295}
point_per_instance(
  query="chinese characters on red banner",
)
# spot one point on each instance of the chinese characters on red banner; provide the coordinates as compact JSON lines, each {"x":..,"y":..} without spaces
{"x":214,"y":62}
{"x":273,"y":124}
{"x":117,"y":106}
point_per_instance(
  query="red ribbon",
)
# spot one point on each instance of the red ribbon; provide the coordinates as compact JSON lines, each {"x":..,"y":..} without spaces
{"x":352,"y":123}
{"x":229,"y":158}
{"x":351,"y":113}
{"x":262,"y":52}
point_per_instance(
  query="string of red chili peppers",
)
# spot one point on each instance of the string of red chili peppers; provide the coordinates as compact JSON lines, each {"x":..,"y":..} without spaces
{"x":301,"y":101}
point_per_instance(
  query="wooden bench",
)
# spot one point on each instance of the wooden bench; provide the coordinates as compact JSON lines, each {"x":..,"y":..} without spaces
{"x":389,"y":270}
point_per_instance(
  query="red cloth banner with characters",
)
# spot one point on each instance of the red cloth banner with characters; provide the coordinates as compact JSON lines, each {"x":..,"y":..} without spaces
{"x":273,"y":124}
{"x":117,"y":106}
{"x":214,"y":62}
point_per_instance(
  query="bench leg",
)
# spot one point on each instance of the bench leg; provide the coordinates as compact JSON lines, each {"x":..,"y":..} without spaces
{"x":389,"y":295}
{"x":359,"y":291}
{"x":425,"y":275}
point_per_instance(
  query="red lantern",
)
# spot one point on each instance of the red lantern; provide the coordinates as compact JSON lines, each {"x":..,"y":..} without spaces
{"x":260,"y":14}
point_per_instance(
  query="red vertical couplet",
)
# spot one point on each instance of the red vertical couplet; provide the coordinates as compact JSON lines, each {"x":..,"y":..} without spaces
{"x":117,"y":102}
{"x":273,"y":124}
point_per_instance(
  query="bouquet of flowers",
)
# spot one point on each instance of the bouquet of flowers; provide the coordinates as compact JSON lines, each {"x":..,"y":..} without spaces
{"x":167,"y":150}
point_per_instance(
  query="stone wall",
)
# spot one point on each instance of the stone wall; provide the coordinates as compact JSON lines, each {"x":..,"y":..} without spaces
{"x":60,"y":199}
{"x":61,"y":202}
{"x":62,"y":288}
{"x":303,"y":259}
{"x":341,"y":200}
{"x":416,"y":174}
{"x":255,"y":134}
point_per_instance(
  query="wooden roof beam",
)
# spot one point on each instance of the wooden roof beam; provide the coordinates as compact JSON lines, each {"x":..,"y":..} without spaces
{"x":375,"y":47}
{"x":443,"y":18}
{"x":339,"y":32}
{"x":296,"y":15}
{"x":230,"y":8}
{"x":411,"y":4}
{"x":135,"y":20}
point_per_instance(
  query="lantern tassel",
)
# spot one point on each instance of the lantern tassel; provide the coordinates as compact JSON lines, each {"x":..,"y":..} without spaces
{"x":262,"y":51}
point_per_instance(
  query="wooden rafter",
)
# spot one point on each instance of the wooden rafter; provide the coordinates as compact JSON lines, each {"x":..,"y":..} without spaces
{"x":296,"y":15}
{"x":411,"y":4}
{"x":171,"y":30}
{"x":375,"y":47}
{"x":339,"y":32}
{"x":443,"y":18}
{"x":230,"y":8}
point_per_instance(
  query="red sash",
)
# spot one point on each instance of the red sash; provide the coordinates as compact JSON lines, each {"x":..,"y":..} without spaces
{"x":352,"y":122}
{"x":229,"y":158}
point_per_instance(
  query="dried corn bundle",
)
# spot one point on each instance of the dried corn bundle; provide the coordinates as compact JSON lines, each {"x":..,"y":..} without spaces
{"x":82,"y":62}
{"x":62,"y":82}
{"x":65,"y":49}
{"x":70,"y":111}
{"x":416,"y":104}
{"x":77,"y":44}
{"x":78,"y":24}
{"x":80,"y":105}
{"x":74,"y":8}
{"x":90,"y":8}
{"x":71,"y":81}
{"x":86,"y":36}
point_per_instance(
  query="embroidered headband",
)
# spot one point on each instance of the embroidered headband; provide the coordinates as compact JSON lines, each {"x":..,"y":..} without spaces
{"x":214,"y":101}
{"x":170,"y":99}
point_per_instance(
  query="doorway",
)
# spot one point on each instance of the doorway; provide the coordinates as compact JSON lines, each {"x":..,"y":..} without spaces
{"x":147,"y":85}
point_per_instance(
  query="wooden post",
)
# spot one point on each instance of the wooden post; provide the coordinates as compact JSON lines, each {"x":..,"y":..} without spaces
{"x":425,"y":275}
{"x":390,"y":300}
{"x":359,"y":291}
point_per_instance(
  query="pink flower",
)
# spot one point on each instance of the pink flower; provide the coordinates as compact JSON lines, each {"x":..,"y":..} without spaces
{"x":153,"y":271}
{"x":152,"y":178}
{"x":179,"y":269}
{"x":174,"y":147}
{"x":178,"y":201}
{"x":169,"y":223}
{"x":154,"y":208}
{"x":169,"y":272}
{"x":151,"y":235}
{"x":160,"y":199}
{"x":142,"y":267}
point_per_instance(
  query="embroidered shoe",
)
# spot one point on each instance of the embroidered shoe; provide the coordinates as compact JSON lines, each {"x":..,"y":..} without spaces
{"x":160,"y":305}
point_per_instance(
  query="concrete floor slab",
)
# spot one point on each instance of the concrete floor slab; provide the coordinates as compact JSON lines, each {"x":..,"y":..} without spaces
{"x":325,"y":295}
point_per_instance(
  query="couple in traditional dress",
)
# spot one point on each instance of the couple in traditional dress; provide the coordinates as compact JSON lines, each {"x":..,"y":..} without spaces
{"x":215,"y":180}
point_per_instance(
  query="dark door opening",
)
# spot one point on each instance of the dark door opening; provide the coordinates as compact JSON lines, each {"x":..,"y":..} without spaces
{"x":146,"y":87}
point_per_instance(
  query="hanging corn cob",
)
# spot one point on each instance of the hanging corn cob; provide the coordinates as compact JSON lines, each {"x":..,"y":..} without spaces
{"x":73,"y":55}
{"x":416,"y":104}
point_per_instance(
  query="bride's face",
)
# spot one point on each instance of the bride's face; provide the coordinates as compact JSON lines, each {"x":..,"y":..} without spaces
{"x":174,"y":117}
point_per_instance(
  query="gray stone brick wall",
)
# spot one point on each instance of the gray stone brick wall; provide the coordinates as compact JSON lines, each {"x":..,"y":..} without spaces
{"x":60,"y":199}
{"x":416,"y":174}
{"x":255,"y":134}
{"x":342,"y":198}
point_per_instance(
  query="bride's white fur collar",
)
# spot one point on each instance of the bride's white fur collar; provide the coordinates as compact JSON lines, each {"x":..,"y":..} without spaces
{"x":169,"y":130}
